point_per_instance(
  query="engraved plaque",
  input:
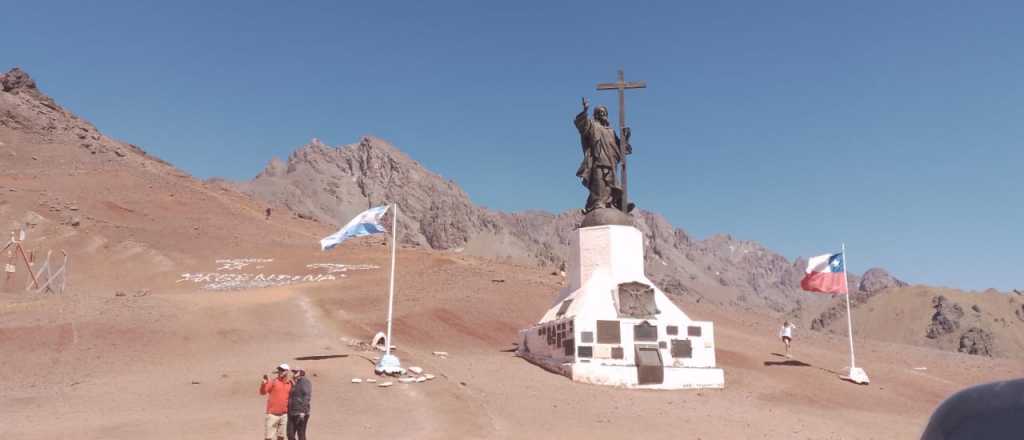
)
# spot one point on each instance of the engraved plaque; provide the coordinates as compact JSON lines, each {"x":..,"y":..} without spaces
{"x":587,"y":337}
{"x":645,"y":331}
{"x":682,"y":348}
{"x":617,"y":353}
{"x":672,"y":330}
{"x":608,"y":332}
{"x":585,"y":352}
{"x":693,"y":330}
{"x":563,"y":308}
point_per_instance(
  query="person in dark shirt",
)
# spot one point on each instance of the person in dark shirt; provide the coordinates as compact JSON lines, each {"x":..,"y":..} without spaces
{"x":298,"y":405}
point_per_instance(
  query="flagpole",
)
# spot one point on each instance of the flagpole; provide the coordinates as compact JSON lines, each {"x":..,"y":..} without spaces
{"x":849,"y":320}
{"x":391,"y":287}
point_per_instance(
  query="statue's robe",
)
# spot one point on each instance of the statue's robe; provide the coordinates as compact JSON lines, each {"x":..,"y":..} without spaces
{"x":601,"y":156}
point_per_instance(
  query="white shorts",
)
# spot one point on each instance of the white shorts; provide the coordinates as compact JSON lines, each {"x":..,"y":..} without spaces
{"x":277,"y":426}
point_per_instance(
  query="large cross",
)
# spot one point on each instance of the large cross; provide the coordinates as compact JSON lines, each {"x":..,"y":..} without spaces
{"x":621,"y":86}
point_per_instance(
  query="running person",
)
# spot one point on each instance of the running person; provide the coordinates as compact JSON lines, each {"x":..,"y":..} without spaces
{"x":786,"y":333}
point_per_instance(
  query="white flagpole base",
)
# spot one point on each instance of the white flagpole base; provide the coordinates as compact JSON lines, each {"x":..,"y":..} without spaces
{"x":858,"y":376}
{"x":389,"y":364}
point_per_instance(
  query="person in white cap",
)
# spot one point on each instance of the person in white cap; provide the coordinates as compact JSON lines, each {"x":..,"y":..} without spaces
{"x":276,"y":390}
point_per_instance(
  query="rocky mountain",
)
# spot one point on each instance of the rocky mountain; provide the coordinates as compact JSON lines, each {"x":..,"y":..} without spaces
{"x":124,"y":217}
{"x":331,"y":184}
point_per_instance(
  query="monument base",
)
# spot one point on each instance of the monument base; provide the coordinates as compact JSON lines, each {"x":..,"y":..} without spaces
{"x":612,"y":326}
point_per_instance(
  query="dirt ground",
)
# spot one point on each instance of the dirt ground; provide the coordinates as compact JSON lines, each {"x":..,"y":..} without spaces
{"x":178,"y":360}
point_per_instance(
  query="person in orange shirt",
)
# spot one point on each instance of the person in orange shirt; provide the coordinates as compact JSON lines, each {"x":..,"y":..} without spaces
{"x":277,"y":391}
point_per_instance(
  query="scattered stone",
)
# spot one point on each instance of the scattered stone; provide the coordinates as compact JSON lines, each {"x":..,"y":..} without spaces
{"x":920,"y":368}
{"x":976,"y":341}
{"x":195,"y":382}
{"x":441,"y":354}
{"x":497,"y":281}
{"x":385,"y":384}
{"x":73,"y":208}
{"x":421,"y":379}
{"x":120,"y":293}
{"x":75,"y":221}
{"x":976,"y":308}
{"x":416,"y":370}
{"x":407,"y":380}
{"x":1020,"y":312}
{"x":428,"y":376}
{"x":119,"y":153}
{"x":35,"y":158}
{"x":371,"y":380}
{"x":357,"y":380}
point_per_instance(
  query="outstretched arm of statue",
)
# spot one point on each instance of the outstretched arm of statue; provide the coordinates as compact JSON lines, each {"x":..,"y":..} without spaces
{"x":582,"y":121}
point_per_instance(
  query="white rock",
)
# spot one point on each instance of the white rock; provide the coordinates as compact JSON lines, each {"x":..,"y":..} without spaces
{"x":384,"y":384}
{"x":416,"y":370}
{"x":371,"y":380}
{"x":406,"y":380}
{"x":441,"y":353}
{"x":357,"y":380}
{"x":428,"y":376}
{"x":421,"y":379}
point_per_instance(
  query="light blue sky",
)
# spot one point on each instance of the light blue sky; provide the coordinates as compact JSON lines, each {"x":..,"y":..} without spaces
{"x":895,"y":126}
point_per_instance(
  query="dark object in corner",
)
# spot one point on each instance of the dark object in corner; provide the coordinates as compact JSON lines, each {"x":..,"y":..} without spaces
{"x":987,"y":411}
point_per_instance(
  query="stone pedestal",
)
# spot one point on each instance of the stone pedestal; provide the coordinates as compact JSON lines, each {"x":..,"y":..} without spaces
{"x":612,"y":326}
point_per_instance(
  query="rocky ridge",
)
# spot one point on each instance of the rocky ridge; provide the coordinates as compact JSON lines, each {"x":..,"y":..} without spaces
{"x":332,"y":184}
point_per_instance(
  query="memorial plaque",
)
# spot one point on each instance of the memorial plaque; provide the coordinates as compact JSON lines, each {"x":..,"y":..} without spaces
{"x":672,"y":330}
{"x":587,"y":337}
{"x":645,"y":331}
{"x":585,"y":352}
{"x":693,"y":330}
{"x":617,"y":353}
{"x":682,"y":348}
{"x":563,"y":308}
{"x":649,"y":369}
{"x":662,"y":345}
{"x":608,"y":332}
{"x":636,"y":300}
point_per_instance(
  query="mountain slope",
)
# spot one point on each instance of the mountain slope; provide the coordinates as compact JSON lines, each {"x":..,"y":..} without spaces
{"x":125,"y":217}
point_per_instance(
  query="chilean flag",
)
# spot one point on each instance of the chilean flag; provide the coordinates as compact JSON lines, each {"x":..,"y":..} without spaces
{"x":826,"y":274}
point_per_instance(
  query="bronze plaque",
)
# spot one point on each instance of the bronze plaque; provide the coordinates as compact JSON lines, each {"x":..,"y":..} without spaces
{"x":645,"y":331}
{"x":672,"y":330}
{"x":682,"y":348}
{"x":693,"y":330}
{"x":563,"y":308}
{"x":636,"y":300}
{"x":584,"y":352}
{"x":649,"y":369}
{"x":587,"y":337}
{"x":608,"y":332}
{"x":617,"y":353}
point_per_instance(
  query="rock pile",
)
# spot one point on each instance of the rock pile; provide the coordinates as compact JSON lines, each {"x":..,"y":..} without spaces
{"x":946,"y":318}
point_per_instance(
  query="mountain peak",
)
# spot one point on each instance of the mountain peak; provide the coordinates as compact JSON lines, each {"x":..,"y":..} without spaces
{"x":16,"y":80}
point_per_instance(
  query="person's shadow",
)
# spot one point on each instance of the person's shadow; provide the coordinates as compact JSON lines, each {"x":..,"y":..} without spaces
{"x":786,"y":363}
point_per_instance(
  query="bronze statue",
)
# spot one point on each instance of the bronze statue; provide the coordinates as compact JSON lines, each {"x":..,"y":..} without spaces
{"x":603,"y":151}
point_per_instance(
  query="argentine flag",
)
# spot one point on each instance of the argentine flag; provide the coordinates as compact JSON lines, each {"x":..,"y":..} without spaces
{"x":366,"y":223}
